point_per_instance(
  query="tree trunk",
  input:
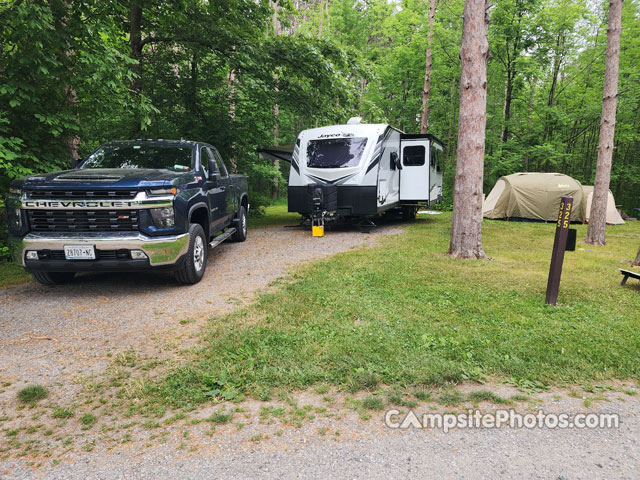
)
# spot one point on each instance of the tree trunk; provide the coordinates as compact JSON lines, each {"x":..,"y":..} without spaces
{"x":598,"y":219}
{"x":558,"y":59}
{"x":72,"y":140}
{"x":135,"y":44}
{"x":277,"y":30}
{"x":466,"y":222}
{"x":636,"y":262}
{"x":231,"y":88}
{"x":424,"y":124}
{"x":508,"y":97}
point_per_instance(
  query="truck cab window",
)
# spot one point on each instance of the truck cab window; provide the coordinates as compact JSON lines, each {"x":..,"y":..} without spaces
{"x":221,"y":166}
{"x":204,"y":162}
{"x":205,"y":156}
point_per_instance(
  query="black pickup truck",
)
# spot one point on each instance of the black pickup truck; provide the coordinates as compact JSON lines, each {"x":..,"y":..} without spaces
{"x":129,"y":206}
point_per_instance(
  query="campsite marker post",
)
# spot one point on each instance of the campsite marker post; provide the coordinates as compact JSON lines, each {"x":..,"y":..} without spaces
{"x":559,"y":246}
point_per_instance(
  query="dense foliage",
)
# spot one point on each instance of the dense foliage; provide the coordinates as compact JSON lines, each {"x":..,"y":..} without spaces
{"x":545,"y":80}
{"x":76,"y":73}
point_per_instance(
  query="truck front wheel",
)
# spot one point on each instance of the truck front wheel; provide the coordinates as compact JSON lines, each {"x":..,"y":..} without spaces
{"x":53,"y":278}
{"x":195,"y":261}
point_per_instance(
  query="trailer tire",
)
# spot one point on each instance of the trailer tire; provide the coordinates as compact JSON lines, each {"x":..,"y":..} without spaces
{"x":195,"y":261}
{"x":241,"y":226}
{"x":409,"y":213}
{"x":53,"y":278}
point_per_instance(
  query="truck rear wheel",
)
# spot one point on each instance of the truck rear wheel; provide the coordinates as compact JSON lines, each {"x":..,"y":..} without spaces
{"x":195,"y":261}
{"x":53,"y":278}
{"x":241,"y":226}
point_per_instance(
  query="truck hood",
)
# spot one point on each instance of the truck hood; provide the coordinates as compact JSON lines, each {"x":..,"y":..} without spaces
{"x":108,"y":178}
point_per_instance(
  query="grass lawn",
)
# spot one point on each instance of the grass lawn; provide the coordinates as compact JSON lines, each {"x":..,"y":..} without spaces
{"x":12,"y":274}
{"x":275,"y":215}
{"x":404,"y":314}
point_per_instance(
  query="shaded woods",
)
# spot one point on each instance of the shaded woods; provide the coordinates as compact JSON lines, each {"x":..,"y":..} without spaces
{"x":74,"y":74}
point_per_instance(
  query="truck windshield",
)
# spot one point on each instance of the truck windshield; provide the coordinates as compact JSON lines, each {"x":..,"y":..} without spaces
{"x":335,"y":152}
{"x":177,"y":158}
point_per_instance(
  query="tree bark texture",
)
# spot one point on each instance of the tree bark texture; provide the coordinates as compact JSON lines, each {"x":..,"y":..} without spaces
{"x":598,"y":219}
{"x":424,"y":124}
{"x":466,"y":222}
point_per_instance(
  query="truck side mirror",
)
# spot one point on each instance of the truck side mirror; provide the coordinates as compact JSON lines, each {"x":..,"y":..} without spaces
{"x":74,"y":163}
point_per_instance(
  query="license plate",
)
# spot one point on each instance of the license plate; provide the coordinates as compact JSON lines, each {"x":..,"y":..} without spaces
{"x":79,"y":252}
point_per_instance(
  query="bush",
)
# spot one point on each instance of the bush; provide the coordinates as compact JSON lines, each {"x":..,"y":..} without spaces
{"x":373,"y":403}
{"x":4,"y":233}
{"x":220,"y":418}
{"x":88,"y":420}
{"x":61,"y":412}
{"x":32,"y":394}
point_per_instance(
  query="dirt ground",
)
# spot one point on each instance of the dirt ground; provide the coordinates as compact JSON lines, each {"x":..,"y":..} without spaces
{"x":55,"y":336}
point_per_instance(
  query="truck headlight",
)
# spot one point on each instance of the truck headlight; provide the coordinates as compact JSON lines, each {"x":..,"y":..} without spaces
{"x":162,"y":217}
{"x":14,"y":218}
{"x":15,"y":191}
{"x":155,"y":192}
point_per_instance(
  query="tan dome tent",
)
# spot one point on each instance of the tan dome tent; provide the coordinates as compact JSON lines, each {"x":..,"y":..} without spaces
{"x":613,"y":217}
{"x":534,"y":196}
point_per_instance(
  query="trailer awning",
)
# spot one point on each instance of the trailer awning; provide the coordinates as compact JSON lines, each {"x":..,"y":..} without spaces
{"x":284,"y":152}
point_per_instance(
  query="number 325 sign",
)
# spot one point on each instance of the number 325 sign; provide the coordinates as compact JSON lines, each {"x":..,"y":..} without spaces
{"x":559,"y":245}
{"x":564,"y":214}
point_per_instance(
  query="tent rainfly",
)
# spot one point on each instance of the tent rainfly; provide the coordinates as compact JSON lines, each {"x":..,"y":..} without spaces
{"x":613,"y":217}
{"x":534,"y":196}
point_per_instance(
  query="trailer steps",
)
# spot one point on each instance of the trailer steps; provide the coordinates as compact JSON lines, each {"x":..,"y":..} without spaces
{"x":221,"y":238}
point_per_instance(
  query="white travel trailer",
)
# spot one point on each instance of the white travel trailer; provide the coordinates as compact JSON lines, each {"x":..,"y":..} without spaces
{"x":359,"y":170}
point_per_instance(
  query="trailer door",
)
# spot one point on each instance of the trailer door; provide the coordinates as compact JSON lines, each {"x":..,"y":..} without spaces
{"x":414,"y":176}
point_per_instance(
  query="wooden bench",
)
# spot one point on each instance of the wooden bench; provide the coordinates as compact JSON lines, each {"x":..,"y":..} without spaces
{"x":628,"y":274}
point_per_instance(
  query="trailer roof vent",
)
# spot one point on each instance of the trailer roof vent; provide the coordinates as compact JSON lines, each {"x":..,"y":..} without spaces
{"x":354,"y":121}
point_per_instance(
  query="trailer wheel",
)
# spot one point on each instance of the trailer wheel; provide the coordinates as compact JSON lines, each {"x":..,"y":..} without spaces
{"x":53,"y":278}
{"x":409,"y":213}
{"x":241,"y":226}
{"x":195,"y":261}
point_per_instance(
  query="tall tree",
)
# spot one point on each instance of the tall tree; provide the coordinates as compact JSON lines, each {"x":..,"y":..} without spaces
{"x":135,"y":44}
{"x":466,"y":222}
{"x":511,"y":26}
{"x":597,"y":222}
{"x":277,"y":30}
{"x":424,"y":124}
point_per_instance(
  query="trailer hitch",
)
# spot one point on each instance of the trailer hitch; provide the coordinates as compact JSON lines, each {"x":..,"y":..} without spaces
{"x":317,"y":218}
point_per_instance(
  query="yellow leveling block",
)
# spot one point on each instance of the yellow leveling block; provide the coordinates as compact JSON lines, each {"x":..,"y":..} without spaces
{"x":317,"y":227}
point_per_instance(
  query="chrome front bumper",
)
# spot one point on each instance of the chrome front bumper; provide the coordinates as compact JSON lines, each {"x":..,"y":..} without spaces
{"x":161,"y":251}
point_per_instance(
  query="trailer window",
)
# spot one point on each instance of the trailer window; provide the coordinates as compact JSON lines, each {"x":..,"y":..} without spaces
{"x":435,"y":159}
{"x":335,"y":152}
{"x":413,"y":156}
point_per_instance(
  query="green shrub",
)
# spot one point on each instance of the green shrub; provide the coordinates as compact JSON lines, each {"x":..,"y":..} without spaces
{"x":220,"y":417}
{"x":32,"y":394}
{"x":61,"y":412}
{"x":373,"y":403}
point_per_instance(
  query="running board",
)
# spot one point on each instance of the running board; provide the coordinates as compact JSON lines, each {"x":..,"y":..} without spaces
{"x":221,"y":238}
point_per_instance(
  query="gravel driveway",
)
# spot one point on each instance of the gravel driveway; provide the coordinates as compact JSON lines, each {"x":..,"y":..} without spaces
{"x":51,"y":332}
{"x":368,"y":450}
{"x":49,"y":335}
